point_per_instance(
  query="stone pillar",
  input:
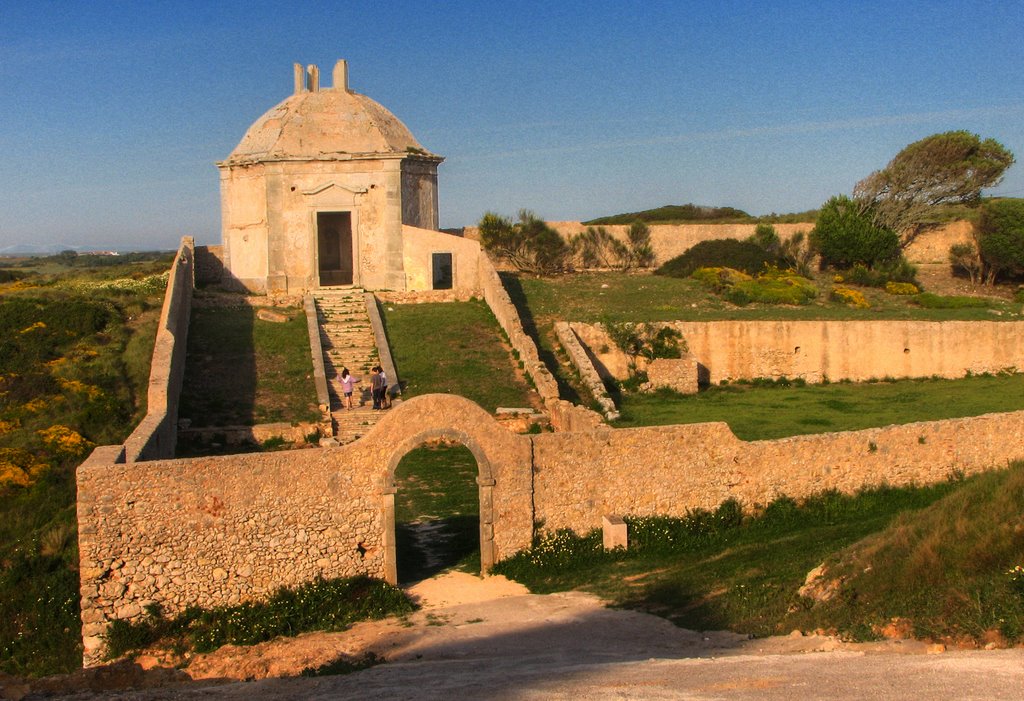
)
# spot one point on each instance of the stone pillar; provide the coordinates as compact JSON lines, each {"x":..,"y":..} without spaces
{"x":313,"y":77}
{"x":340,"y":76}
{"x":390,"y":553}
{"x":486,"y":523}
{"x":300,"y":78}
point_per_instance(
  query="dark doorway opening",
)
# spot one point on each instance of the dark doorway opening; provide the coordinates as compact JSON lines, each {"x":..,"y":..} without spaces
{"x":334,"y":248}
{"x":437,"y":512}
{"x":442,"y":271}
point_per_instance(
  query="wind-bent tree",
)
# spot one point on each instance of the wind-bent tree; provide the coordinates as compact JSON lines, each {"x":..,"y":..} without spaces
{"x":947,"y":168}
{"x":529,"y":244}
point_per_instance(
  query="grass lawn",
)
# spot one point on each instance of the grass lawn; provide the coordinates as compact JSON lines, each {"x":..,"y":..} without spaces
{"x":241,"y":370}
{"x":616,"y":296}
{"x":713,"y":571}
{"x":763,"y":412}
{"x":454,"y":348}
{"x":438,"y":499}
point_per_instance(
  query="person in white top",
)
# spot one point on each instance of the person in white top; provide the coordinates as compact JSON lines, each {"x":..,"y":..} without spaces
{"x":348,"y":381}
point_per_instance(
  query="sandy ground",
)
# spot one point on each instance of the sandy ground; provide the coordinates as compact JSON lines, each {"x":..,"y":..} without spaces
{"x":490,"y":638}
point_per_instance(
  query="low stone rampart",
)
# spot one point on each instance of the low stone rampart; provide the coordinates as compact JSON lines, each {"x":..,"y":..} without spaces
{"x":584,"y":365}
{"x":505,"y":312}
{"x":669,"y":470}
{"x":156,"y":435}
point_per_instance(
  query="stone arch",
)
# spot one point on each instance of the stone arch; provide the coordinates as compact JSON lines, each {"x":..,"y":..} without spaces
{"x":504,"y":470}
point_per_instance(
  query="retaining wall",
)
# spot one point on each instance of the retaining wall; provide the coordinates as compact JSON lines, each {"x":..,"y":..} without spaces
{"x":156,"y":435}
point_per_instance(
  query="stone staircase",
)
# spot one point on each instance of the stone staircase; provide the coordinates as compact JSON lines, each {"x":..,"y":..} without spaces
{"x":347,"y":339}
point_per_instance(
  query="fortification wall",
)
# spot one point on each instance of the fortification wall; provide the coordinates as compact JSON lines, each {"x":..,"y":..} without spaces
{"x":671,"y":240}
{"x":668,"y":470}
{"x":156,"y":435}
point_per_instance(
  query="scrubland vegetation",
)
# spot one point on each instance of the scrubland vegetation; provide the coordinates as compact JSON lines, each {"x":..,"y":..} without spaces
{"x":74,"y":365}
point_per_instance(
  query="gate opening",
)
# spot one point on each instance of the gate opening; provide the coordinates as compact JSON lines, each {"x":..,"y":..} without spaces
{"x":334,"y":248}
{"x":437,"y":512}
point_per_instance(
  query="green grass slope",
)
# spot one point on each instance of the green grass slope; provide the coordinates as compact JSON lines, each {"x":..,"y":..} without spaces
{"x":953,"y":571}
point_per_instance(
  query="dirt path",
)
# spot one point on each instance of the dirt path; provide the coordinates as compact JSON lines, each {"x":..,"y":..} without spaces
{"x":490,"y":638}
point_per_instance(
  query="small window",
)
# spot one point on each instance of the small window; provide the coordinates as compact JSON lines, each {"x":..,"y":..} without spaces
{"x":442,"y":267}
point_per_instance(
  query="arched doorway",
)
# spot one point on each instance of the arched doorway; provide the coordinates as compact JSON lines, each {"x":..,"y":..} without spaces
{"x":437,"y":511}
{"x":470,"y":463}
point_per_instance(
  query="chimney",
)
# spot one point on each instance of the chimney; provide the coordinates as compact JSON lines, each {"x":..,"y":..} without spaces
{"x":341,"y":75}
{"x":300,"y":78}
{"x":313,"y":78}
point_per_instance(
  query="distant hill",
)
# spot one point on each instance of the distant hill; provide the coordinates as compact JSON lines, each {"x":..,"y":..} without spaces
{"x":694,"y":213}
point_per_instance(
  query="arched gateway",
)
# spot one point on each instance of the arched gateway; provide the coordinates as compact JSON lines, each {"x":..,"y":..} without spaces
{"x":503,"y":458}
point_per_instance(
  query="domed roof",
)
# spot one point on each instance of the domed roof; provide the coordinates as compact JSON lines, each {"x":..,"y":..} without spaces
{"x":329,"y":124}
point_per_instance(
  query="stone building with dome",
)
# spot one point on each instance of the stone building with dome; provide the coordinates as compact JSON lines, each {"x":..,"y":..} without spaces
{"x":328,"y":188}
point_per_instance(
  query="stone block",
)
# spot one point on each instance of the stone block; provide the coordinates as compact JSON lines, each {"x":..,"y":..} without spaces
{"x":615,"y":532}
{"x":679,"y":374}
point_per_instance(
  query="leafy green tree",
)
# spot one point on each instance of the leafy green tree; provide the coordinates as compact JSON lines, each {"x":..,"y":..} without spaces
{"x":1000,"y":237}
{"x":528,"y":244}
{"x":845,"y":235}
{"x":947,"y":168}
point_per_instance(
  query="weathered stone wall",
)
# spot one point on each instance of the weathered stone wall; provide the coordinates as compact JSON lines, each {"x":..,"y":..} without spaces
{"x":584,"y":364}
{"x":221,"y":530}
{"x":505,"y":312}
{"x":679,"y":374}
{"x":214,"y":531}
{"x":853,"y":350}
{"x":669,"y":470}
{"x":156,"y":435}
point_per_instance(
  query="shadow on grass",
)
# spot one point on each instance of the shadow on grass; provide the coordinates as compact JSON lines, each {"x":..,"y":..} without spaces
{"x":430,"y":546}
{"x":219,"y":387}
{"x":547,"y":356}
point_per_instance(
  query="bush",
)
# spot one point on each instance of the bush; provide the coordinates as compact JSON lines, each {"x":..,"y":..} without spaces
{"x":773,"y":286}
{"x":844,"y":235}
{"x":325,"y":604}
{"x":529,"y":244}
{"x":853,"y":298}
{"x":1001,"y":238}
{"x":719,"y":253}
{"x":934,"y":301}
{"x":901,"y":288}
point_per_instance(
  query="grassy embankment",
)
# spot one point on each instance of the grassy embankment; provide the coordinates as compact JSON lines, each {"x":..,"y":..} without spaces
{"x":454,"y":348}
{"x":767,"y":410}
{"x":74,"y":366}
{"x":940,"y":560}
{"x":643,"y":297}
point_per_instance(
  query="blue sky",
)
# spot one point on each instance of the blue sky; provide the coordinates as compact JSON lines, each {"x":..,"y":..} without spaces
{"x":112,"y":114}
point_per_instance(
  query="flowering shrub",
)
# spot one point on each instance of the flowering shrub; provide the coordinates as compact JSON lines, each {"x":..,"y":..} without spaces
{"x":1016,"y":576}
{"x":90,"y":391}
{"x":770,"y":286}
{"x":851,"y":297}
{"x":151,"y":284}
{"x":65,"y":442}
{"x":901,"y":288}
{"x":19,"y":467}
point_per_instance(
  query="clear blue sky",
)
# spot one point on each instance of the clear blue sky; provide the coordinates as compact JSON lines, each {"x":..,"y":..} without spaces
{"x":112,"y":114}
